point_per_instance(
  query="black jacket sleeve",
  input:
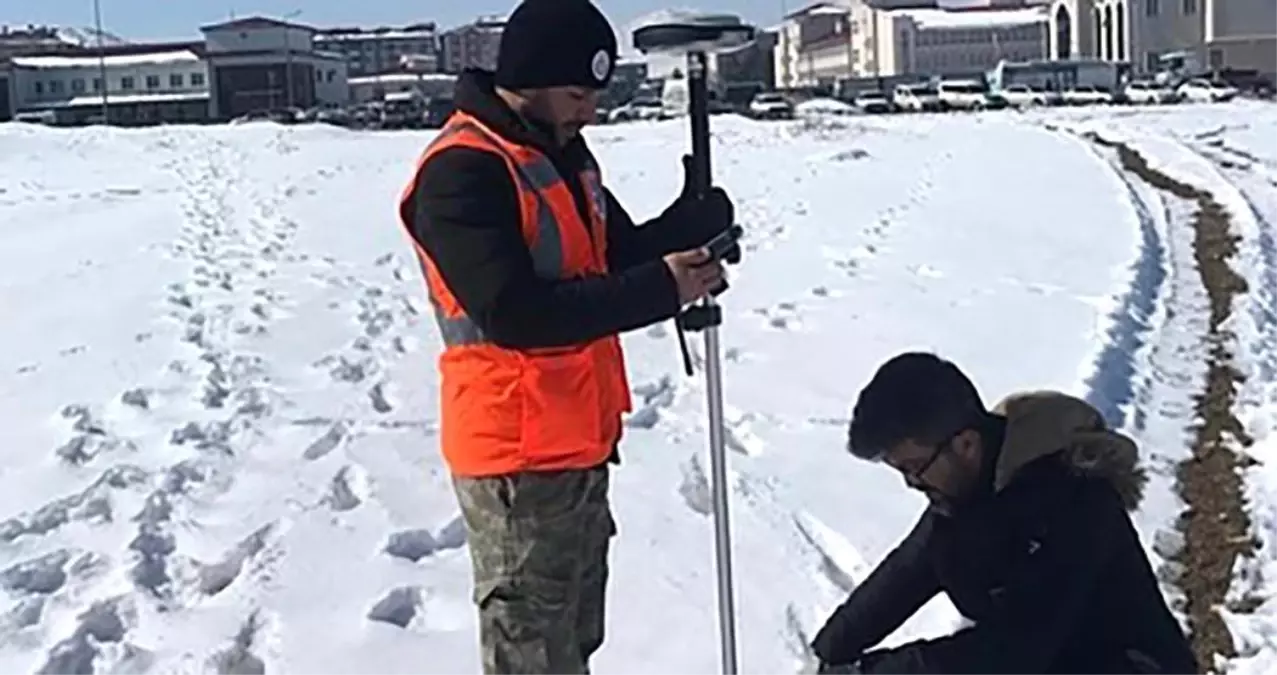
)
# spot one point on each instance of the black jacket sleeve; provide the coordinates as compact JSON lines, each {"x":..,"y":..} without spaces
{"x":901,"y":584}
{"x":466,"y":217}
{"x":1041,"y":602}
{"x":629,"y":245}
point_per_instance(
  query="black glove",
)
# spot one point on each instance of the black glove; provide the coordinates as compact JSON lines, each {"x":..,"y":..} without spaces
{"x":701,"y":218}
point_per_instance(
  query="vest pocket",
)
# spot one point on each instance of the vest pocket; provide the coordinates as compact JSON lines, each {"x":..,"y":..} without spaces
{"x":562,"y":409}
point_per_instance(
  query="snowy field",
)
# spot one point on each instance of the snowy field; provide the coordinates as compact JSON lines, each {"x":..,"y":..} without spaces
{"x":218,"y":398}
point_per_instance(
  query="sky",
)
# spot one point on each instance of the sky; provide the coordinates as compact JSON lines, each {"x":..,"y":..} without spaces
{"x":140,"y":20}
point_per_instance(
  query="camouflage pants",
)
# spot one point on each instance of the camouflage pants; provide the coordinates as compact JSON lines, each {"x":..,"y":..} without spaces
{"x":539,"y":546}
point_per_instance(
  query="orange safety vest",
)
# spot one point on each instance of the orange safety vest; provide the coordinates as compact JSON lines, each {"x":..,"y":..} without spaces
{"x":506,"y":410}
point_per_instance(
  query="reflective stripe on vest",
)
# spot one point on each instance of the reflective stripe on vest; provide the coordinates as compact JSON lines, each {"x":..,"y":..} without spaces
{"x":547,"y":251}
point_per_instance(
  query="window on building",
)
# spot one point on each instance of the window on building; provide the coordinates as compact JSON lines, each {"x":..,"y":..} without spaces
{"x":197,"y":79}
{"x":127,"y":83}
{"x":38,"y":87}
{"x":55,"y":86}
{"x":97,"y":84}
{"x":1190,"y":7}
{"x":77,"y":85}
{"x":1150,"y":61}
{"x":332,"y":75}
{"x":152,"y":81}
{"x":1152,"y":7}
{"x":175,"y":80}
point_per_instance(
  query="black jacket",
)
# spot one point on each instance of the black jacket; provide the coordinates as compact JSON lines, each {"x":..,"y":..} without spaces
{"x":1047,"y":564}
{"x":464,"y":212}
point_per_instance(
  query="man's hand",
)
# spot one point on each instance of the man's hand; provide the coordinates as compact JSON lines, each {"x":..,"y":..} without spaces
{"x":694,"y":273}
{"x":705,"y":216}
{"x":840,"y":669}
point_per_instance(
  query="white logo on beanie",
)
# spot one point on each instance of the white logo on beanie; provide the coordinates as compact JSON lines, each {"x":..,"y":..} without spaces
{"x":601,"y":65}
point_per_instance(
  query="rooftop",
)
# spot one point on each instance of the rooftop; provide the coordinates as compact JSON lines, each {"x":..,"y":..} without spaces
{"x":253,"y":22}
{"x":971,"y":18}
{"x":92,"y":60}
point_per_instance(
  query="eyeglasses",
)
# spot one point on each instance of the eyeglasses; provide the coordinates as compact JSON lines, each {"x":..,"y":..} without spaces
{"x":915,"y":474}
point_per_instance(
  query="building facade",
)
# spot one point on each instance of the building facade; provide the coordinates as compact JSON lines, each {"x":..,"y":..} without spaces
{"x":374,"y":51}
{"x":377,"y":87}
{"x":752,"y":63}
{"x":829,"y":42}
{"x":6,"y":91}
{"x":136,"y":85}
{"x":474,"y":45}
{"x":1218,"y":33}
{"x":260,"y":64}
{"x":957,"y":42}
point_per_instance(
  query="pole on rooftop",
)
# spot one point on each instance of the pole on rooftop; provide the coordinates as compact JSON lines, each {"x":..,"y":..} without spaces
{"x":97,"y":23}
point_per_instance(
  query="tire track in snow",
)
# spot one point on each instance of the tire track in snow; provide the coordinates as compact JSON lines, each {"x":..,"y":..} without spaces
{"x":1215,"y":525}
{"x":1155,"y":360}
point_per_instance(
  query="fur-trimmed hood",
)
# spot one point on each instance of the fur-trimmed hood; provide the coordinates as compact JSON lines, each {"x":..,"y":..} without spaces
{"x":1041,"y":423}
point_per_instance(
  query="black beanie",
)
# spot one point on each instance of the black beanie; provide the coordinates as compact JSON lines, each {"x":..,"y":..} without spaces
{"x":556,"y":43}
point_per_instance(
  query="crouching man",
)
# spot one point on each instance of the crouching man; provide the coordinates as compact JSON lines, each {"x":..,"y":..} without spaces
{"x":1027,"y":532}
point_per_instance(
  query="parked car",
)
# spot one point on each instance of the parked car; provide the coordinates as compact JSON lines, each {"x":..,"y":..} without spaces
{"x":1085,"y":94}
{"x":638,"y":109}
{"x":1024,"y":96}
{"x":872,"y":102}
{"x":916,"y":98}
{"x":1202,"y":90}
{"x":770,"y":105}
{"x":962,"y":95}
{"x":1145,"y":92}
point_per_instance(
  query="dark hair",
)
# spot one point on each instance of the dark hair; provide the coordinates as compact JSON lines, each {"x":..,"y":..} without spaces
{"x":913,"y":396}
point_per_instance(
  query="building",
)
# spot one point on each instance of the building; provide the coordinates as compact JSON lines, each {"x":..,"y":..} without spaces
{"x":377,"y":87}
{"x":259,"y":64}
{"x":785,"y":55}
{"x":474,"y":45}
{"x":826,"y":45}
{"x":831,"y":42}
{"x":375,"y":51}
{"x":1218,"y":33}
{"x":957,"y":41}
{"x":749,"y":64}
{"x":628,"y":78}
{"x":15,"y":41}
{"x":141,"y":84}
{"x":6,"y":91}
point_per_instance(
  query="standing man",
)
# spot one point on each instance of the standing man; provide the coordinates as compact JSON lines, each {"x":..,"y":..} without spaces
{"x":1027,"y":532}
{"x":533,"y":269}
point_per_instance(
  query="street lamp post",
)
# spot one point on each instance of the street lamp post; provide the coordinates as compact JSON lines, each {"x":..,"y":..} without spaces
{"x":97,"y":21}
{"x":288,"y":60}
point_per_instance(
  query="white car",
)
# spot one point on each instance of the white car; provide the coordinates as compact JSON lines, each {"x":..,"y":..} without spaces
{"x":872,"y":101}
{"x":771,"y":106}
{"x":962,"y":95}
{"x":1024,"y":96}
{"x":916,"y":97}
{"x":1149,"y":92}
{"x":638,"y":109}
{"x":1085,"y":94}
{"x":1202,"y":90}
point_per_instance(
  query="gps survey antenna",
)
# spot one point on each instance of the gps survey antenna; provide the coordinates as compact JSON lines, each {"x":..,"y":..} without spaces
{"x":695,"y":37}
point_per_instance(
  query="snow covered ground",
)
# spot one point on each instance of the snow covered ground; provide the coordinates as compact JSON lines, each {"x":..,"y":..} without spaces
{"x":218,"y":400}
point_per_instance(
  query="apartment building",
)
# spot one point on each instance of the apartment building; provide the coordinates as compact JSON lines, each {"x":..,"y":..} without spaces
{"x":473,"y":45}
{"x":372,"y":51}
{"x":1218,"y":33}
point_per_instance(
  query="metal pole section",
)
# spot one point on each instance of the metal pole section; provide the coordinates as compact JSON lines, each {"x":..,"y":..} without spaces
{"x":97,"y":22}
{"x":698,"y":111}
